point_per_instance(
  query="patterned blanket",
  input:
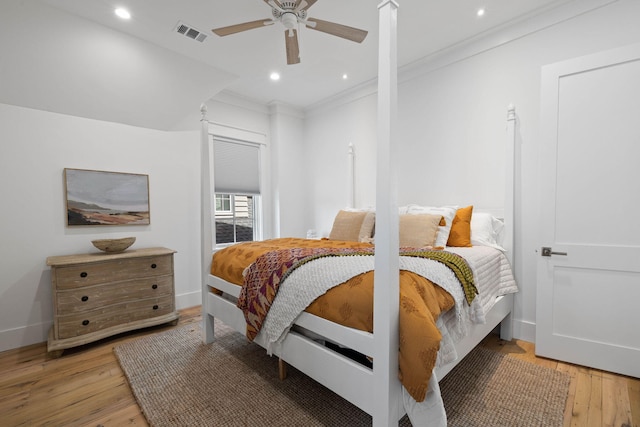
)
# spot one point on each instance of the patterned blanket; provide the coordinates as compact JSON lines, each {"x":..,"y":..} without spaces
{"x":264,"y":276}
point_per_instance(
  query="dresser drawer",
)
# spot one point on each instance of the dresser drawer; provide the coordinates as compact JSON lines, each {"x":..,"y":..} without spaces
{"x":78,"y":300}
{"x":77,"y":324}
{"x":76,"y":276}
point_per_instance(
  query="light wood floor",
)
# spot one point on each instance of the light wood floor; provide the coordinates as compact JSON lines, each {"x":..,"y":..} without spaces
{"x":86,"y":387}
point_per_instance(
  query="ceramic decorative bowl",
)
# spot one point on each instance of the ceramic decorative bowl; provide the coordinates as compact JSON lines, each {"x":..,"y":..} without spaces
{"x":113,"y":245}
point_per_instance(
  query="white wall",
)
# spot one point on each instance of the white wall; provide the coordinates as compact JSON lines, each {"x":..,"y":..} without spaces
{"x":328,"y":133}
{"x":36,"y":146}
{"x":289,"y":173}
{"x":451,"y":130}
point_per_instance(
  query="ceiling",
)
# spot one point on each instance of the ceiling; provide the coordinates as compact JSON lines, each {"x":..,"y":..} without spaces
{"x":424,"y":28}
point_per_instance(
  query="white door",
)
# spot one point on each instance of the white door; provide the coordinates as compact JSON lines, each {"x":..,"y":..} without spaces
{"x":588,"y":290}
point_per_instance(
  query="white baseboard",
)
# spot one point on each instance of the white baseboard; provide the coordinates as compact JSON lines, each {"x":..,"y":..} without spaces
{"x":23,"y":336}
{"x":190,"y":299}
{"x":524,"y":330}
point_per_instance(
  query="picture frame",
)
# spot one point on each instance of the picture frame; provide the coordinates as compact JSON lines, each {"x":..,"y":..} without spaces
{"x":94,"y":197}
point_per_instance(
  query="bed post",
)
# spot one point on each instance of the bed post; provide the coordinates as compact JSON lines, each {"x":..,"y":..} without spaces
{"x":207,"y":232}
{"x":351,"y":177}
{"x":509,"y":200}
{"x":386,"y":275}
{"x":506,"y":326}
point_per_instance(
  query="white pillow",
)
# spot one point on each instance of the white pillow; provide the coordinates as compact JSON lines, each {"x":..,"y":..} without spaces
{"x":486,"y":230}
{"x":448,"y":212}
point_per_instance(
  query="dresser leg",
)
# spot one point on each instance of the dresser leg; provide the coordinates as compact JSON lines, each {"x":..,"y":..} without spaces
{"x":56,"y":353}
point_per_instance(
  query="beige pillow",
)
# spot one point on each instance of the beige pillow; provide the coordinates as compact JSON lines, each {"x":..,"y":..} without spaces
{"x":418,"y":230}
{"x":353,"y":226}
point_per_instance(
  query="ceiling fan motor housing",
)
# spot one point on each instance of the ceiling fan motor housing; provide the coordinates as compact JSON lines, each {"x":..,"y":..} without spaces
{"x":288,"y":8}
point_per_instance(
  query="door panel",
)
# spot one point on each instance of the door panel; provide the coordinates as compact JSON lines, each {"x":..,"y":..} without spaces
{"x":590,"y":187}
{"x":603,"y":303}
{"x":598,"y":178}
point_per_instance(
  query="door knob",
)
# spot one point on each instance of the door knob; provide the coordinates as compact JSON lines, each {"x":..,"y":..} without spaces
{"x":546,"y":251}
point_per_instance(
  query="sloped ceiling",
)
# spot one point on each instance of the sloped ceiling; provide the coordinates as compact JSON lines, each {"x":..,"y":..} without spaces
{"x":76,"y":57}
{"x":58,"y":62}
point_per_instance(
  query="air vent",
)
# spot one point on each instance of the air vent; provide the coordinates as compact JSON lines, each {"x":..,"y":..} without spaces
{"x":189,"y":31}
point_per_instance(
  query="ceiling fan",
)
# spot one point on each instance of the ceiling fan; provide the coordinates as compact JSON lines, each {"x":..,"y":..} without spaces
{"x":290,"y":14}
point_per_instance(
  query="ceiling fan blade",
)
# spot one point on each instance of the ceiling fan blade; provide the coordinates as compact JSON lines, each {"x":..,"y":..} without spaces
{"x":275,"y":4}
{"x":299,"y":5}
{"x":293,"y":49}
{"x":309,"y":3}
{"x":349,"y":33}
{"x":232,"y":29}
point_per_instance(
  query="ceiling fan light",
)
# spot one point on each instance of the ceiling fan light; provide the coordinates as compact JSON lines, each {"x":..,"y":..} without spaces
{"x":289,"y":20}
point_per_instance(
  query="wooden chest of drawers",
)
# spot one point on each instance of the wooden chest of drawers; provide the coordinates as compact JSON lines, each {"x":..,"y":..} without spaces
{"x":98,"y":295}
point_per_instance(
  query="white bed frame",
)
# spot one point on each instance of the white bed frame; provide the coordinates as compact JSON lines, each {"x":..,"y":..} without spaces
{"x":376,"y":391}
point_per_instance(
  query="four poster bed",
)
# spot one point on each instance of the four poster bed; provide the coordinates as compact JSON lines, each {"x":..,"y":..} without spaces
{"x":315,"y":345}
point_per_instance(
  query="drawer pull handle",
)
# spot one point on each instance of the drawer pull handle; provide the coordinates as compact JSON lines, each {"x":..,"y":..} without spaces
{"x":85,"y":322}
{"x":83,"y":274}
{"x":154,"y":286}
{"x":153,"y":265}
{"x":85,"y":298}
{"x":155,"y":307}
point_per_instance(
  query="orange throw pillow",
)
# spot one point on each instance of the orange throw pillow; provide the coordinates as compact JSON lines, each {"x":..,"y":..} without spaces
{"x":460,"y":234}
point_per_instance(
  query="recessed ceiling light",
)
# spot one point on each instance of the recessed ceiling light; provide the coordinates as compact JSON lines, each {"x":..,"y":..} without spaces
{"x":480,"y":12}
{"x":123,"y":13}
{"x":274,"y":76}
{"x":345,"y":76}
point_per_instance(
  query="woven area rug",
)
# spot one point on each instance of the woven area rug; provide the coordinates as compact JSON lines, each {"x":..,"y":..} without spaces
{"x":179,"y":381}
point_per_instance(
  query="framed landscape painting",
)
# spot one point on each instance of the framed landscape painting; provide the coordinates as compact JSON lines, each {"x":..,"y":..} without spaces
{"x":106,"y":198}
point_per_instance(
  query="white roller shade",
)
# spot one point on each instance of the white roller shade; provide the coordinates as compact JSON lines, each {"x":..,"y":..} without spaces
{"x":236,"y":167}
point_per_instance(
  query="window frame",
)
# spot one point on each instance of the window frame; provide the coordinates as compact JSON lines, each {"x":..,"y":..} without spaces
{"x":262,"y":206}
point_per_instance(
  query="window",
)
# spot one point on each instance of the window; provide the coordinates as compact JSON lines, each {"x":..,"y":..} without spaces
{"x":223,"y":203}
{"x":237,"y":223}
{"x":237,"y":191}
